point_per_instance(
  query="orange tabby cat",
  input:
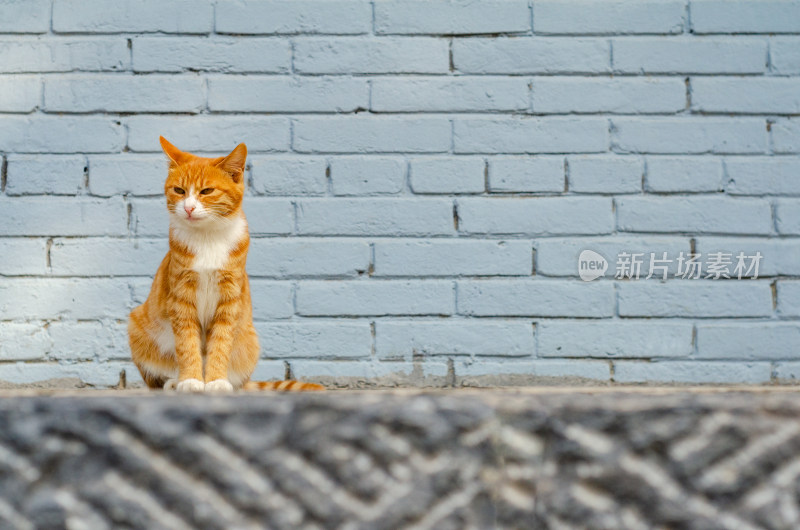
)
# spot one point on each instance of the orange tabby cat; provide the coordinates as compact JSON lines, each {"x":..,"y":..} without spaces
{"x":195,"y":330}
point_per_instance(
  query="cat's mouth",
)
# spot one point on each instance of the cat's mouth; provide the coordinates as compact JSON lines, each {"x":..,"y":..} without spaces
{"x":190,"y":218}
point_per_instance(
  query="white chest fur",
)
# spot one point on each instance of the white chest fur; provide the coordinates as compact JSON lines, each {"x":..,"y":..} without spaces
{"x":207,"y":297}
{"x":211,"y":248}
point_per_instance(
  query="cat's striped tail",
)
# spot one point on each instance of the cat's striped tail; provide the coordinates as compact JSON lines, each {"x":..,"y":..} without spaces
{"x":282,"y":386}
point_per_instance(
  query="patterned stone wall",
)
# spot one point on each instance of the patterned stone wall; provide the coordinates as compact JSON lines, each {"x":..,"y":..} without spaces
{"x":460,"y":460}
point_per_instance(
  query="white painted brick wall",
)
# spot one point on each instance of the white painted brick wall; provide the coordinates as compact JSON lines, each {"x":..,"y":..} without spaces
{"x":423,"y":176}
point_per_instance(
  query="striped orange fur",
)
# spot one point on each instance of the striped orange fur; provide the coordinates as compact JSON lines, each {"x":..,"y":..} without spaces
{"x":195,"y":330}
{"x":283,"y":386}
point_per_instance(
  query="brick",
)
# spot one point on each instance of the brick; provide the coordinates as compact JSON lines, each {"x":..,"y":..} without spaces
{"x":447,"y":175}
{"x":745,"y":16}
{"x":307,"y":257}
{"x":452,"y":18}
{"x":691,"y":372}
{"x":127,"y":174}
{"x":120,"y":257}
{"x":30,"y":16}
{"x":536,"y":215}
{"x":667,"y":174}
{"x":315,"y":340}
{"x":375,"y":298}
{"x":362,"y":370}
{"x":94,"y":16}
{"x":789,"y":298}
{"x":44,"y":174}
{"x":216,"y":54}
{"x":598,"y":17}
{"x":294,"y":16}
{"x":372,"y":134}
{"x":23,"y":341}
{"x":761,"y":341}
{"x":269,"y":371}
{"x":102,"y":93}
{"x":787,"y":216}
{"x":442,"y":257}
{"x":786,"y":371}
{"x":531,"y":55}
{"x":19,"y":93}
{"x":284,"y":175}
{"x":20,"y":372}
{"x":149,"y":218}
{"x":33,"y":216}
{"x":530,"y":135}
{"x":87,"y":341}
{"x":536,"y":174}
{"x":689,"y":135}
{"x":695,"y":298}
{"x":403,"y":340}
{"x":602,"y":174}
{"x":367,"y":176}
{"x":50,"y":298}
{"x":614,"y":95}
{"x":784,"y":55}
{"x":786,"y":136}
{"x":551,"y":370}
{"x":364,"y":55}
{"x":450,"y":94}
{"x":614,"y":339}
{"x":780,"y":257}
{"x":23,"y":256}
{"x":271,"y":300}
{"x":534,"y":298}
{"x":559,"y":256}
{"x":286,"y":94}
{"x":701,"y":215}
{"x":60,"y":134}
{"x":215,"y":134}
{"x":107,"y":374}
{"x":63,"y":55}
{"x":91,"y":373}
{"x":690,"y":55}
{"x":746,"y":95}
{"x":140,"y":289}
{"x":375,"y":217}
{"x":269,"y":216}
{"x":762,"y":176}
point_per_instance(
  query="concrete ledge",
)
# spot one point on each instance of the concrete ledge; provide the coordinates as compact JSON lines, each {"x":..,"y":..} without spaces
{"x":534,"y":458}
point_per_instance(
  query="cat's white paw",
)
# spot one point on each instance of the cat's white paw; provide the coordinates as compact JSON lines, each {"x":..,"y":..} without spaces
{"x":219,"y":386}
{"x":170,"y":384}
{"x":190,"y":385}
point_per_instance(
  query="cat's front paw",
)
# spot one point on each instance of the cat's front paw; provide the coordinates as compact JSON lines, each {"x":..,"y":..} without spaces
{"x":219,"y":386}
{"x":170,"y":384}
{"x":190,"y":385}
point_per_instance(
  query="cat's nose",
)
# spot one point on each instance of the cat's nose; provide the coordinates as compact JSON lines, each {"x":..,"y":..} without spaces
{"x":189,"y":209}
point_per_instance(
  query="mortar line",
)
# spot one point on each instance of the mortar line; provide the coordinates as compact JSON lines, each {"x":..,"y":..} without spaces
{"x":3,"y":173}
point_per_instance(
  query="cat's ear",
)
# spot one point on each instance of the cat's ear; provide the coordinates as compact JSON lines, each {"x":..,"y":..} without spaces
{"x":176,"y":156}
{"x":233,"y":164}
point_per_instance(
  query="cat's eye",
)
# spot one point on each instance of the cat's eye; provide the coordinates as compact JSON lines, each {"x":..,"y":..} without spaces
{"x":206,"y":191}
{"x":179,"y":191}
